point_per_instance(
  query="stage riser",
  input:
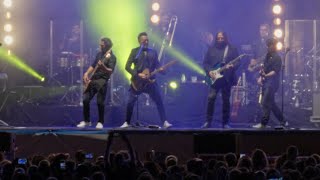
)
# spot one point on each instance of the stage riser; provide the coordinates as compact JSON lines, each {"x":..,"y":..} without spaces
{"x":184,"y":145}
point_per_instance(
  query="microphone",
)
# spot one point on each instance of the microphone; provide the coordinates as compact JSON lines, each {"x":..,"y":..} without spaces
{"x":139,"y":52}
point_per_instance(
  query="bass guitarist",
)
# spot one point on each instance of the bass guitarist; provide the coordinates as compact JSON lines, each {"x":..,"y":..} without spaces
{"x":219,"y":55}
{"x":144,"y":58}
{"x":100,"y":72}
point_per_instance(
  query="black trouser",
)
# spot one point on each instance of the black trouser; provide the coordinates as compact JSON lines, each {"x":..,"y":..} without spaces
{"x":268,"y":105}
{"x":253,"y":97}
{"x":153,"y":91}
{"x":98,"y":87}
{"x":225,"y":88}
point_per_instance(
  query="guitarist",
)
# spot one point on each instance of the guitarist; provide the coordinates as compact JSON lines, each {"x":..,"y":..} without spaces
{"x":144,"y":58}
{"x":252,"y":71}
{"x":100,"y":72}
{"x":270,"y":81}
{"x":220,"y":53}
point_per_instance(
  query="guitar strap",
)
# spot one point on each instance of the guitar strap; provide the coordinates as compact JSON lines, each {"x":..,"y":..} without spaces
{"x":225,"y":54}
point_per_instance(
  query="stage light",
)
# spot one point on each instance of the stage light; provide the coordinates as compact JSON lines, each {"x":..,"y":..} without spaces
{"x":8,"y":40}
{"x":8,"y":28}
{"x":42,"y":79}
{"x":14,"y":61}
{"x":277,"y":21}
{"x":155,"y":19}
{"x":173,"y":85}
{"x":7,"y":3}
{"x":8,"y":15}
{"x":279,"y":46}
{"x":155,"y":6}
{"x":278,"y":33}
{"x":277,"y":9}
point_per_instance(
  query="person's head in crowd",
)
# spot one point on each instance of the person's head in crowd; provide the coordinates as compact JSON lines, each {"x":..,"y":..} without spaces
{"x":171,"y":160}
{"x":221,"y":173}
{"x":195,"y":166}
{"x":259,"y":160}
{"x":44,"y":168}
{"x":245,"y":162}
{"x":220,"y":164}
{"x":273,"y":173}
{"x":292,"y":153}
{"x":97,"y":176}
{"x":153,"y":168}
{"x":36,"y":159}
{"x":310,"y":172}
{"x":145,"y":176}
{"x":175,"y":172}
{"x":316,"y":157}
{"x":33,"y":169}
{"x":231,"y":159}
{"x":234,"y":174}
{"x":52,"y":178}
{"x":310,"y":161}
{"x":211,"y":164}
{"x":259,"y":175}
{"x":80,"y":156}
{"x":191,"y":176}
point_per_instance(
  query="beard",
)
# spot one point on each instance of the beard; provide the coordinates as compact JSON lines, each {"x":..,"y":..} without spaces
{"x":221,"y":44}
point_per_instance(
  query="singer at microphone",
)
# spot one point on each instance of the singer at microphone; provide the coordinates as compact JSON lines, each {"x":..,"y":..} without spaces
{"x":143,"y":45}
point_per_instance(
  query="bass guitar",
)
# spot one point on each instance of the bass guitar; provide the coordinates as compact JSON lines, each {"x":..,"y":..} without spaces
{"x":139,"y":84}
{"x":218,"y":69}
{"x":87,"y":83}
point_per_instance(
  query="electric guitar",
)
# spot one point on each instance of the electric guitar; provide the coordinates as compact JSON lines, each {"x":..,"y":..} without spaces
{"x":139,"y":84}
{"x":217,"y":69}
{"x":86,"y":84}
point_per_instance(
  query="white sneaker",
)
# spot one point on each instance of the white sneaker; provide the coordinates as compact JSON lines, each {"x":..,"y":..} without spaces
{"x":259,"y":126}
{"x":166,"y":124}
{"x":83,"y":124}
{"x":99,"y":125}
{"x":124,"y":125}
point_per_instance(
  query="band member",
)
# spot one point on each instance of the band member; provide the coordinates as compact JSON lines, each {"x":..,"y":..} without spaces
{"x":221,"y":52}
{"x":252,"y":71}
{"x":270,"y":80}
{"x":100,"y":72}
{"x":144,"y":58}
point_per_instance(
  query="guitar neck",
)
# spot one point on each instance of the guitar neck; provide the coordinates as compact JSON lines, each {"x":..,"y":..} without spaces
{"x":231,"y":62}
{"x":164,"y":67}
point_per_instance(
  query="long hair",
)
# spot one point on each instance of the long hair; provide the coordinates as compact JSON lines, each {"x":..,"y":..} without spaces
{"x":226,"y":40}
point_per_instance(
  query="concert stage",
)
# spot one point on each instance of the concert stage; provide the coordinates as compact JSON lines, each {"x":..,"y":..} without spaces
{"x":185,"y":143}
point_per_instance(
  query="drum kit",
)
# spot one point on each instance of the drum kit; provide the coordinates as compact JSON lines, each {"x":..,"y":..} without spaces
{"x":68,"y":68}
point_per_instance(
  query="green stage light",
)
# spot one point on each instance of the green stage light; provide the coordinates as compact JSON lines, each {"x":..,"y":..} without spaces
{"x":179,"y":55}
{"x":18,"y":63}
{"x":121,"y":21}
{"x":42,"y":79}
{"x":173,"y":85}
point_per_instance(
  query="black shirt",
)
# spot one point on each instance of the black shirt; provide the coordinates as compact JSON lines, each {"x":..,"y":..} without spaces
{"x":148,"y":58}
{"x":272,"y":62}
{"x":109,"y":63}
{"x":215,"y":55}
